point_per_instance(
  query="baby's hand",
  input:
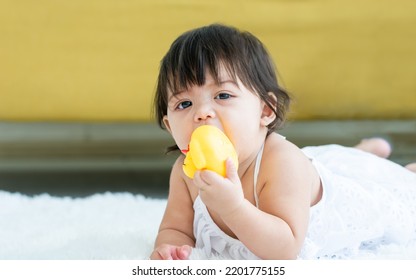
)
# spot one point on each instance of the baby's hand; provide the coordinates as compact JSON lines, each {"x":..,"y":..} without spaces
{"x":222,"y":195}
{"x":171,"y":252}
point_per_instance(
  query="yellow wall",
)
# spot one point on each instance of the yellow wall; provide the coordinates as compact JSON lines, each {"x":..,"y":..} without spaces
{"x":97,"y":60}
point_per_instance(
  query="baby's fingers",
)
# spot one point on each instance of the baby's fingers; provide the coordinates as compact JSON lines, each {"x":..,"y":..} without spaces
{"x":198,"y":181}
{"x":169,"y":252}
{"x":165,"y":254}
{"x":231,"y":171}
{"x":183,"y":252}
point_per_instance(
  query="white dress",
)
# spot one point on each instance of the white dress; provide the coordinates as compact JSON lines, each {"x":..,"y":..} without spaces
{"x":367,"y":201}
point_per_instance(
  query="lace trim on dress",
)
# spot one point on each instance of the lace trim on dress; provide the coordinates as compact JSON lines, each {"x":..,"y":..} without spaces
{"x":213,"y":240}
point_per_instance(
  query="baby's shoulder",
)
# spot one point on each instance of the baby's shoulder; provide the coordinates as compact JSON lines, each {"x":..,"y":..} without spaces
{"x":177,"y":174}
{"x":279,"y":148}
{"x":286,"y":169}
{"x":178,"y":163}
{"x":178,"y":177}
{"x":281,"y":156}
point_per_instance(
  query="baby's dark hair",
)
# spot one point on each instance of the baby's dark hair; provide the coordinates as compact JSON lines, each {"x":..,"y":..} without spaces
{"x":208,"y":48}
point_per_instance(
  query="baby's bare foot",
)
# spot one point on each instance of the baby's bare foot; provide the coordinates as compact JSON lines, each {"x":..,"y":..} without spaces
{"x":378,"y":146}
{"x":411,"y":167}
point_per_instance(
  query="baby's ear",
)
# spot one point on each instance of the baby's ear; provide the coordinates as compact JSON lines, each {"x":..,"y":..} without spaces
{"x":268,"y":115}
{"x":166,"y":123}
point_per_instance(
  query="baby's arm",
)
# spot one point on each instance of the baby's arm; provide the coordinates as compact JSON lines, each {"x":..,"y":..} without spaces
{"x":277,"y":229}
{"x":175,"y":237}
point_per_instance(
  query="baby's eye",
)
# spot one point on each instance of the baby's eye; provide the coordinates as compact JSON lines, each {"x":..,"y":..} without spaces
{"x":184,"y":104}
{"x":223,"y":95}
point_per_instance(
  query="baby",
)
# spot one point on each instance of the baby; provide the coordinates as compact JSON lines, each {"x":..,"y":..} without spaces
{"x":282,"y":202}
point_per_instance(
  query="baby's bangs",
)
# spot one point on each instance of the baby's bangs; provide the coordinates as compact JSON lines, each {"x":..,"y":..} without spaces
{"x":194,"y":59}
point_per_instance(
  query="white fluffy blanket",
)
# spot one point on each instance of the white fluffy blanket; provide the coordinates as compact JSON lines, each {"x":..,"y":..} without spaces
{"x":102,"y":226}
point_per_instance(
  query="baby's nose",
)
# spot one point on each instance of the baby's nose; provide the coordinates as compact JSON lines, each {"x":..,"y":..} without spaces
{"x":204,"y":112}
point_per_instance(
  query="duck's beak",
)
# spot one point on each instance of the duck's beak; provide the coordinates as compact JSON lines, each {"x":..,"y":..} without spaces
{"x":186,"y":150}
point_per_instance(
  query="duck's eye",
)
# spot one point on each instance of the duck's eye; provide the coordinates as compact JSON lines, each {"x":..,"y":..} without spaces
{"x":223,"y":95}
{"x":184,"y":104}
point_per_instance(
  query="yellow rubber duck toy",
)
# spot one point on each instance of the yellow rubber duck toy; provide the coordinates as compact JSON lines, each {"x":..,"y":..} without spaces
{"x":208,"y":149}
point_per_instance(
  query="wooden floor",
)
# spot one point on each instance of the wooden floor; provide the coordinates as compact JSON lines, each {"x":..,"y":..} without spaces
{"x":82,"y":159}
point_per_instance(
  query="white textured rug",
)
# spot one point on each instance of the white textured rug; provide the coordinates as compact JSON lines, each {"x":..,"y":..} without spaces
{"x":102,"y":226}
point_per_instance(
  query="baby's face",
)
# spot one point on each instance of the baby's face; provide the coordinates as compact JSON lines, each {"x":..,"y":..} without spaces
{"x":228,"y":105}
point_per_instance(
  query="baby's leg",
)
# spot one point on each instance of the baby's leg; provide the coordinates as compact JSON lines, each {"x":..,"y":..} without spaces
{"x":411,"y":166}
{"x":378,"y":146}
